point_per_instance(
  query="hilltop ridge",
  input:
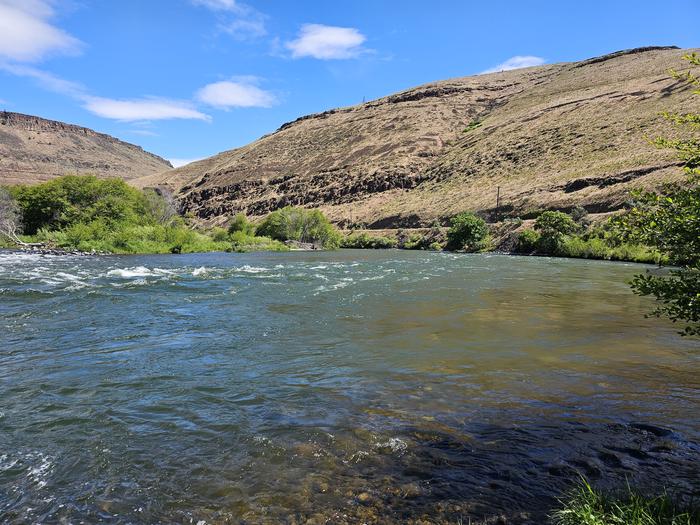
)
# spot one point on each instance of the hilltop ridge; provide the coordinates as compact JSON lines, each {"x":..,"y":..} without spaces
{"x":34,"y":149}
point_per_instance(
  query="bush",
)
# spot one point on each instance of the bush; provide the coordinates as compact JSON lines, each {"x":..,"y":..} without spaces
{"x":467,"y":232}
{"x":365,"y":241}
{"x":241,"y":242}
{"x":300,"y":224}
{"x":528,"y":241}
{"x":552,"y":227}
{"x":240,"y":223}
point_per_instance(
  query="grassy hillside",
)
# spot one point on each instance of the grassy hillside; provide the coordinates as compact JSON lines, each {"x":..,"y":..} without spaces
{"x":555,"y":136}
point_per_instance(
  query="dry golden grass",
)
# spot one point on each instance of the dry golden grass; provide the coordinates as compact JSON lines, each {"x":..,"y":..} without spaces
{"x":446,"y":147}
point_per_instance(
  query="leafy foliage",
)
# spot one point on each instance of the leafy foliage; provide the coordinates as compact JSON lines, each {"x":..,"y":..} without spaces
{"x":528,"y":241}
{"x":300,"y":224}
{"x":365,"y":241}
{"x":240,"y":223}
{"x":558,"y":234}
{"x":73,"y":199}
{"x":467,"y":232}
{"x":553,"y":226}
{"x":670,"y":221}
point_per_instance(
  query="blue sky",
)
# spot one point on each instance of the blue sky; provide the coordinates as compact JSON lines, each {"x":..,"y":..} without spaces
{"x":189,"y":78}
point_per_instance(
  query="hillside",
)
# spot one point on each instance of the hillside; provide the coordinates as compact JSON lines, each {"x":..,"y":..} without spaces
{"x":552,"y":136}
{"x":34,"y":149}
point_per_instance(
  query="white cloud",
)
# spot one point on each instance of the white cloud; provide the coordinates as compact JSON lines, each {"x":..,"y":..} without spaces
{"x":516,"y":62}
{"x":239,"y":20}
{"x":182,"y":162}
{"x":232,"y":94}
{"x":26,"y":35}
{"x":327,"y":42}
{"x":142,"y":109}
{"x":130,"y":110}
{"x":245,"y":28}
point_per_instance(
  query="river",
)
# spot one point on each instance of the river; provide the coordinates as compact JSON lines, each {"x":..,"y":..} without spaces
{"x":350,"y":386}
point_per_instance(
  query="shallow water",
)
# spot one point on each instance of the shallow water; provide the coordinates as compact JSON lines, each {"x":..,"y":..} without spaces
{"x":354,"y":386}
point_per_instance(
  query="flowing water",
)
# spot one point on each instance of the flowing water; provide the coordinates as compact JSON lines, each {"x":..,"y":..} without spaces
{"x":339,"y":387}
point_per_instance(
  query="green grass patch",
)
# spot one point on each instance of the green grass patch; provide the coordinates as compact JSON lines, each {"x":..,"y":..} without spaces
{"x":585,"y":505}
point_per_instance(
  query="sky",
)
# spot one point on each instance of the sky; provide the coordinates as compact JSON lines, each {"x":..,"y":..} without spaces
{"x":186,"y":79}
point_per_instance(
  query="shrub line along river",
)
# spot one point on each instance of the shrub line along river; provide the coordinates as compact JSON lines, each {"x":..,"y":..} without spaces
{"x":356,"y":386}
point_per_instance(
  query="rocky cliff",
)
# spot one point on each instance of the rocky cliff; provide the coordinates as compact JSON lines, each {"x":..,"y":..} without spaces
{"x":34,"y":149}
{"x":554,"y":136}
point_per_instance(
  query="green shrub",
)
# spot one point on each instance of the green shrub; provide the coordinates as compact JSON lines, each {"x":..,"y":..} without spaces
{"x":411,"y":241}
{"x":300,"y":224}
{"x":467,"y":232}
{"x":528,"y":240}
{"x":365,"y":241}
{"x":474,"y":124}
{"x":240,"y":223}
{"x":219,"y":234}
{"x":241,"y":242}
{"x":552,"y":227}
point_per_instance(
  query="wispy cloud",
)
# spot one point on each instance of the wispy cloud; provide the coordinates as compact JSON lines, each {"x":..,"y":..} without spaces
{"x":27,"y":35}
{"x":149,"y":108}
{"x":245,"y":28}
{"x":327,"y":42}
{"x":235,"y":94}
{"x":128,"y":110}
{"x":47,"y":80}
{"x":516,"y":62}
{"x":218,"y":5}
{"x":143,"y":132}
{"x":236,"y":19}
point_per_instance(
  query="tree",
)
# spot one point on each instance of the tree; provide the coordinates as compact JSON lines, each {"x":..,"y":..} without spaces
{"x":467,"y":232}
{"x":10,"y":217}
{"x":552,"y":227}
{"x":162,"y":205}
{"x":300,"y":224}
{"x":669,"y":220}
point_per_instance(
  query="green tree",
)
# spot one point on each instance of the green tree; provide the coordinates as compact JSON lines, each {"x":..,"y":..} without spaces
{"x":300,"y":224}
{"x":467,"y":232}
{"x":73,"y":199}
{"x":669,"y":220}
{"x":553,"y":226}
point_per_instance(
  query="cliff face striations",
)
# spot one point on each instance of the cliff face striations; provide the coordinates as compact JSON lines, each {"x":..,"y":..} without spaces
{"x":34,"y":149}
{"x":554,"y":136}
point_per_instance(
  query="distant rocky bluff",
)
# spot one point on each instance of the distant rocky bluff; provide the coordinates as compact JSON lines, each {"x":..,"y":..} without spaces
{"x":33,"y":149}
{"x":553,"y":136}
